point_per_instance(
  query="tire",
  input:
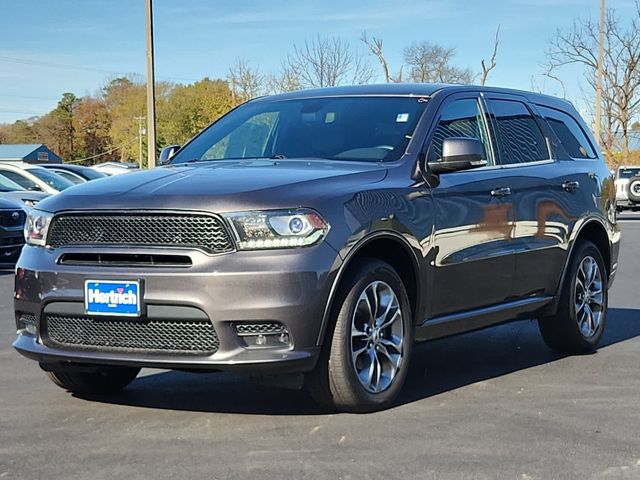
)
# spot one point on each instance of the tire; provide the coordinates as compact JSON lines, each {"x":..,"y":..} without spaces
{"x":104,"y":380}
{"x":578,"y":329}
{"x":633,"y":189}
{"x":373,"y":380}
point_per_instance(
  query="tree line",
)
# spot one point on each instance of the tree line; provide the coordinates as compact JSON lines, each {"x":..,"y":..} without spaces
{"x":108,"y":125}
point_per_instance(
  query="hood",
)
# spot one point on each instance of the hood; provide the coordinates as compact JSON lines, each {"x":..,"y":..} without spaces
{"x":21,"y":195}
{"x":218,"y":186}
{"x":9,"y":203}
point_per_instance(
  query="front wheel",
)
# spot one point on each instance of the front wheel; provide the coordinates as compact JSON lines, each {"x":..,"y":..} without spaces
{"x":367,"y":349}
{"x":579,"y":323}
{"x":103,"y":380}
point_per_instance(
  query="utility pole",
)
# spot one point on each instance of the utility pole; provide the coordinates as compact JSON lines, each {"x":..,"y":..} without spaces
{"x":151,"y":94}
{"x":598,"y":120}
{"x":140,"y":119}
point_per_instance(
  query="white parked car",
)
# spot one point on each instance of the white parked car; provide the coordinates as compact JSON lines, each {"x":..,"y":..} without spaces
{"x":34,"y":178}
{"x":116,"y":168}
{"x":628,"y":188}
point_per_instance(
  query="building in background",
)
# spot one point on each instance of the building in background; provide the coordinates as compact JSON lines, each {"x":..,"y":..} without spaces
{"x":29,"y":153}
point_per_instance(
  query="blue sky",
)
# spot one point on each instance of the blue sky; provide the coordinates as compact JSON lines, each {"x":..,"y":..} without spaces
{"x":50,"y":47}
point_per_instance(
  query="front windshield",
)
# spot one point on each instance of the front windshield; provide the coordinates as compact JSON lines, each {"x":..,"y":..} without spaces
{"x":50,"y":178}
{"x":7,"y":185}
{"x":334,"y":128}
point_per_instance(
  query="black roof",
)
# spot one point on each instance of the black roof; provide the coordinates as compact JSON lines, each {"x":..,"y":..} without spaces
{"x":409,"y":89}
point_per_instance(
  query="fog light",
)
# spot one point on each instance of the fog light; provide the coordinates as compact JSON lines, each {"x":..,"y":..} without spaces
{"x":26,"y":324}
{"x":266,"y":334}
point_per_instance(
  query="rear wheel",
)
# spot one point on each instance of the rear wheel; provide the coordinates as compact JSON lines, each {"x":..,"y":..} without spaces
{"x":366,"y":354}
{"x":103,"y":380}
{"x":579,"y":323}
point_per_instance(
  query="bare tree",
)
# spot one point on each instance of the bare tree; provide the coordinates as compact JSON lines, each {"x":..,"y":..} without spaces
{"x":549,"y":73}
{"x":375,"y":46}
{"x":245,"y":82}
{"x":429,"y":62}
{"x":486,"y":69}
{"x":621,"y":70}
{"x":327,"y":62}
{"x":286,"y":81}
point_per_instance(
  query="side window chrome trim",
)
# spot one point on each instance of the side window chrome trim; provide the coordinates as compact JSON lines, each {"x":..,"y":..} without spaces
{"x":529,"y":164}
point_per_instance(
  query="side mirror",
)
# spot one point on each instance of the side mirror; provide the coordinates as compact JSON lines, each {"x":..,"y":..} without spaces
{"x":167,"y":153}
{"x":459,"y":153}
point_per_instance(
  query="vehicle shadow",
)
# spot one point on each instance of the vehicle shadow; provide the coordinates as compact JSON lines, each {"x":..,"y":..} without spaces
{"x":437,"y":367}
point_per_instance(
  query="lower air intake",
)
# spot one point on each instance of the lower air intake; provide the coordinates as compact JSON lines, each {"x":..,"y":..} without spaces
{"x":166,"y":336}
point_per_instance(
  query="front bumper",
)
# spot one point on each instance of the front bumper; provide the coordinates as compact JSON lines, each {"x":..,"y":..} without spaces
{"x":625,"y":202}
{"x":287,"y":286}
{"x":10,"y":247}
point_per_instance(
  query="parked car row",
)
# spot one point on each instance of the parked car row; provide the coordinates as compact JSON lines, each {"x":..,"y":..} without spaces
{"x":22,"y":186}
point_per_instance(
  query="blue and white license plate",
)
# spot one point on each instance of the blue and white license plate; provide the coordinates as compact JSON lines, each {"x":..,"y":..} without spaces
{"x":109,"y":297}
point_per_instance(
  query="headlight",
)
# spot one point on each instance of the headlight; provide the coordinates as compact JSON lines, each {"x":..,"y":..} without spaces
{"x":36,"y":227}
{"x":277,"y":228}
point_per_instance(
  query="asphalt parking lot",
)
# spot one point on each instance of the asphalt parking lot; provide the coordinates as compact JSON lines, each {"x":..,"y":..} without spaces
{"x":486,"y":405}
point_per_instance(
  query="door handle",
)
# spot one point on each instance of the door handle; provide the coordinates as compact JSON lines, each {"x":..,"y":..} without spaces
{"x":501,"y":192}
{"x":571,"y":185}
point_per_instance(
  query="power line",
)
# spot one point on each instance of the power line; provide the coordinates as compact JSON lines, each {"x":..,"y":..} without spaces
{"x":28,"y":97}
{"x":38,"y":63}
{"x":19,"y":111}
{"x":96,"y":156}
{"x":119,"y":147}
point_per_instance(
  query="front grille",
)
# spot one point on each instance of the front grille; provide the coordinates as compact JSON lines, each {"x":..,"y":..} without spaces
{"x":12,"y":241}
{"x":12,"y":218}
{"x":203,"y":232}
{"x":195,"y":337}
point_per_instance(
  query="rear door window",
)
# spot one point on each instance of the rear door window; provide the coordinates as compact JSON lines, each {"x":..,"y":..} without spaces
{"x":571,"y":136}
{"x":520,"y":139}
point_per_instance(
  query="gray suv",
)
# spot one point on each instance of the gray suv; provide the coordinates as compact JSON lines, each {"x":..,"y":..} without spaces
{"x":320,"y":235}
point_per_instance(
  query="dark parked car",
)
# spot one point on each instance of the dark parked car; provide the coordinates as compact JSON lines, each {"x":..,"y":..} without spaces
{"x":320,"y":234}
{"x":11,"y":190}
{"x":12,"y":217}
{"x":74,"y":173}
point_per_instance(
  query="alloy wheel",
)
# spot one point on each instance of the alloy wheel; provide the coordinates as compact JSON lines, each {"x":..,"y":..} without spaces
{"x":377,"y":337}
{"x":589,"y":297}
